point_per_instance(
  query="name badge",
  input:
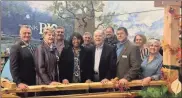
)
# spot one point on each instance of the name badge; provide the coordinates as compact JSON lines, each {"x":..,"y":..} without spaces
{"x":124,"y":56}
{"x":23,"y":46}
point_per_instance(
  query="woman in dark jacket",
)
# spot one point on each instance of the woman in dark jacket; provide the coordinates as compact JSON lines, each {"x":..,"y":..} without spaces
{"x":75,"y":64}
{"x":46,"y":59}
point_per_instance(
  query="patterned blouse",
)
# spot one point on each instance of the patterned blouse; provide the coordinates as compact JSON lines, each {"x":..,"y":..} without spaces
{"x":76,"y":72}
{"x":144,"y":52}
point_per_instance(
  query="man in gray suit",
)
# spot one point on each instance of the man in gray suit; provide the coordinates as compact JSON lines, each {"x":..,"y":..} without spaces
{"x":128,"y":58}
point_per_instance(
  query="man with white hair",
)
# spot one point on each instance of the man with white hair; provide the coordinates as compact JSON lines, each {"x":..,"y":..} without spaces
{"x":87,"y":38}
{"x":104,"y":58}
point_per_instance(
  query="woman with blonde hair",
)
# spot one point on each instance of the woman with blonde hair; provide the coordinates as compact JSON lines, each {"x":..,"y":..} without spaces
{"x":152,"y":64}
{"x":46,"y":60}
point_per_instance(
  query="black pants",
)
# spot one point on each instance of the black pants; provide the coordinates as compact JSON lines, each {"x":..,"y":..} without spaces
{"x":49,"y":93}
{"x":25,"y":95}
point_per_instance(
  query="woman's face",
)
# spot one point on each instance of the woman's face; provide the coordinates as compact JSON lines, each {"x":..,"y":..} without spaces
{"x":49,"y":37}
{"x":139,"y":41}
{"x":76,"y":42}
{"x":154,"y":48}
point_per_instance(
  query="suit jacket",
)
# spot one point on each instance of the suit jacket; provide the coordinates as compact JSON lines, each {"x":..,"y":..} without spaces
{"x":46,"y":61}
{"x":66,"y":44}
{"x":129,"y":62}
{"x":22,"y":65}
{"x":107,"y":66}
{"x":66,"y":64}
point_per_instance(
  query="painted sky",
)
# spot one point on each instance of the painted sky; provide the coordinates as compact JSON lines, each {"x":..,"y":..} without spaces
{"x":149,"y":23}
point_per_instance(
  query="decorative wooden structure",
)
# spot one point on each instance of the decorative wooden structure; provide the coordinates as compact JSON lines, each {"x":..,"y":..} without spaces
{"x":71,"y":86}
{"x":9,"y":96}
{"x":7,"y":84}
{"x":170,"y":43}
{"x":171,"y":40}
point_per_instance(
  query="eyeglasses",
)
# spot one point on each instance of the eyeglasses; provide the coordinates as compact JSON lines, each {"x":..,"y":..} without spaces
{"x":26,"y":32}
{"x":59,"y":31}
{"x":154,"y":39}
{"x":152,"y":45}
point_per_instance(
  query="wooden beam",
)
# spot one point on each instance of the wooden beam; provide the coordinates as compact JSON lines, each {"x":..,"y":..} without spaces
{"x":9,"y":96}
{"x":171,"y":39}
{"x":171,"y":34}
{"x":97,"y":95}
{"x":77,"y":86}
{"x":163,"y":3}
{"x":41,"y":88}
{"x":7,"y":84}
{"x":173,"y":3}
{"x":158,"y":3}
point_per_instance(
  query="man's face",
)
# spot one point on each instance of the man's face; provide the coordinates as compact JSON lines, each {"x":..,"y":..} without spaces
{"x":25,"y":34}
{"x":109,"y":33}
{"x":87,"y":39}
{"x":98,"y":38}
{"x":59,"y":34}
{"x":121,"y":35}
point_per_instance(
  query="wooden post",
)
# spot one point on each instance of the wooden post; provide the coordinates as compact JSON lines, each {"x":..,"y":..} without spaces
{"x":170,"y":39}
{"x":171,"y":34}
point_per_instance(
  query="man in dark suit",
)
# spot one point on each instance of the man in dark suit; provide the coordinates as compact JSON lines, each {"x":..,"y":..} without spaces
{"x":110,"y":36}
{"x":22,"y":65}
{"x":104,"y":58}
{"x":128,"y":58}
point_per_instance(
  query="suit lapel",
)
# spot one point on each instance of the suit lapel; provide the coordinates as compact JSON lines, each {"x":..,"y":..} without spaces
{"x":103,"y":55}
{"x":93,"y":53}
{"x":25,"y":47}
{"x":81,"y":56}
{"x":123,"y":51}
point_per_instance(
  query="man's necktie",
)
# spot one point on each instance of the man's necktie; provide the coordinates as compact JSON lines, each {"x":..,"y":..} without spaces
{"x":30,"y":48}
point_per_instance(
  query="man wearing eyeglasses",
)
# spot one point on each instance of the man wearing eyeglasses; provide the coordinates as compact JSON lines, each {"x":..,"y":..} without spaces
{"x":60,"y":42}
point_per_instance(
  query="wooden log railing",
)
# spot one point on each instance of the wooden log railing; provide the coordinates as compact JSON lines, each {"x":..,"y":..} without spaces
{"x":7,"y":84}
{"x":98,"y":95}
{"x":76,"y":86}
{"x":9,"y":96}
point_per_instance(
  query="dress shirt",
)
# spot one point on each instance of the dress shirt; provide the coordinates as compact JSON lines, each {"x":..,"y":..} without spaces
{"x":120,"y":46}
{"x":98,"y":52}
{"x":152,"y":69}
{"x":144,"y":52}
{"x":60,"y":45}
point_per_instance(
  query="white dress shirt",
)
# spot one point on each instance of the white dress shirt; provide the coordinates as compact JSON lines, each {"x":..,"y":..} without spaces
{"x":98,"y":52}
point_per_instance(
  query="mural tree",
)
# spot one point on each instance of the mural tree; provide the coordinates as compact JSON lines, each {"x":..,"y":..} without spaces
{"x":82,"y":12}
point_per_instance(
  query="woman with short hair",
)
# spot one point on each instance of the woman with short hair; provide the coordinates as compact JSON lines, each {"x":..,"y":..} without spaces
{"x":151,"y":65}
{"x":46,"y":59}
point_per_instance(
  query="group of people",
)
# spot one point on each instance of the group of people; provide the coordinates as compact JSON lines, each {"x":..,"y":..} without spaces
{"x":82,"y":59}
